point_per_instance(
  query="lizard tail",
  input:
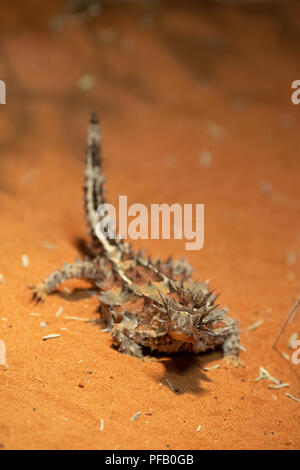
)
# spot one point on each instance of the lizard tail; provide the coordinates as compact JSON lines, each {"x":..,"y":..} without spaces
{"x":94,"y":194}
{"x":93,"y":188}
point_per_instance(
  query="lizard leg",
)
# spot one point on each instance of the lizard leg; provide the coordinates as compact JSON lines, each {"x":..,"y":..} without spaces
{"x":79,"y":270}
{"x":121,"y":336}
{"x":231,"y":344}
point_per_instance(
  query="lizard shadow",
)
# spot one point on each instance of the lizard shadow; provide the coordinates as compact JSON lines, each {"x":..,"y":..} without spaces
{"x":184,"y":371}
{"x":76,"y":294}
{"x":84,"y":247}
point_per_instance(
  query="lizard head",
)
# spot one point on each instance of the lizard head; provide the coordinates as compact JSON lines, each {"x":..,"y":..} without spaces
{"x":185,"y":326}
{"x":189,"y":312}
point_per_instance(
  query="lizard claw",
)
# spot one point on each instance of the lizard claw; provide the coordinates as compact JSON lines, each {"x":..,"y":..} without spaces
{"x":234,"y":361}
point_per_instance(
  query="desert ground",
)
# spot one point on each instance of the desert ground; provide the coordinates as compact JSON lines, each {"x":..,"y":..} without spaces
{"x":195,"y":106}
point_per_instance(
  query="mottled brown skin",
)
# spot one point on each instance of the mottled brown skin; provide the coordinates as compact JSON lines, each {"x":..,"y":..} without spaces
{"x":146,"y":305}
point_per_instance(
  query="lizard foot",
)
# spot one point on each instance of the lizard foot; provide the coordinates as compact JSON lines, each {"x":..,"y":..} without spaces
{"x":234,"y":361}
{"x":39,"y":292}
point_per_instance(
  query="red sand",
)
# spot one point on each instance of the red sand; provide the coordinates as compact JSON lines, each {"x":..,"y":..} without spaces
{"x":163,"y":80}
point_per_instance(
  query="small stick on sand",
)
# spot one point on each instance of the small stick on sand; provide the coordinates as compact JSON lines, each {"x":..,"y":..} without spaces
{"x":289,"y":317}
{"x":101,"y":424}
{"x":264,"y":374}
{"x":174,"y":390}
{"x":59,"y":311}
{"x":87,"y":320}
{"x":292,"y":339}
{"x":135,"y":416}
{"x":198,"y":428}
{"x":49,"y":246}
{"x":255,"y":325}
{"x":2,"y":353}
{"x":50,"y":336}
{"x":25,"y":261}
{"x":292,"y":397}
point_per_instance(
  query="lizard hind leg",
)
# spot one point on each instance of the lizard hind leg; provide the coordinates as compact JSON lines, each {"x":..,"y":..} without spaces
{"x":78,"y":270}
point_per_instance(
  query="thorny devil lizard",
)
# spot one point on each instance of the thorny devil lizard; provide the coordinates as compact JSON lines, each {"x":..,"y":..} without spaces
{"x":146,"y":305}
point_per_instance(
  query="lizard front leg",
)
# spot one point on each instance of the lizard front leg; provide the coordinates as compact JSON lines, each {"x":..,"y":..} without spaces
{"x":122,"y":336}
{"x":77,"y":270}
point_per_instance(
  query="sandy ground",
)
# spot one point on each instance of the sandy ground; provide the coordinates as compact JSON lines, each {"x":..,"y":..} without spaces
{"x":170,"y":83}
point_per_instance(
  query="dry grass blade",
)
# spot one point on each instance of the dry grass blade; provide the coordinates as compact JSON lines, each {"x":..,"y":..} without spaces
{"x":285,"y":355}
{"x":51,"y":336}
{"x":292,"y":339}
{"x":279,"y":386}
{"x":292,"y":397}
{"x":59,"y":311}
{"x":135,"y":416}
{"x":264,"y":374}
{"x":255,"y":325}
{"x":174,"y":390}
{"x":67,"y":317}
{"x":289,"y":317}
{"x":25,"y":261}
{"x":49,"y":246}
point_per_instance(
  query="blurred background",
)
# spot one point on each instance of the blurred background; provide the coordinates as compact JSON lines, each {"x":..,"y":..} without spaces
{"x":195,"y":104}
